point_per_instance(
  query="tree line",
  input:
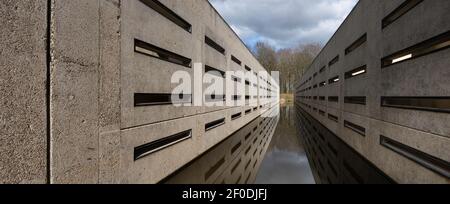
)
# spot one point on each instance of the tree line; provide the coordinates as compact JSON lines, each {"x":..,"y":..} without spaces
{"x":290,"y":62}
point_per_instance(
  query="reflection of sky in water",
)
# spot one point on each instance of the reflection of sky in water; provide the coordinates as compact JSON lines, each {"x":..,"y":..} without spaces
{"x":282,"y":167}
{"x":285,"y":161}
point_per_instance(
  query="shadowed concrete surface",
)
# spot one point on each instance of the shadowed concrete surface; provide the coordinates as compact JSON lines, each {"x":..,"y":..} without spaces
{"x":381,"y":86}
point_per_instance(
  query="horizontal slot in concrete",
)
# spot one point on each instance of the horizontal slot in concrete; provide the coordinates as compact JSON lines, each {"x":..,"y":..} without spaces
{"x":155,"y":146}
{"x":356,"y":128}
{"x":169,"y":14}
{"x":236,"y":97}
{"x":214,"y":124}
{"x":359,"y":100}
{"x":235,"y":147}
{"x":155,"y":99}
{"x":356,"y":72}
{"x":214,"y":45}
{"x":428,"y":161}
{"x":333,"y":80}
{"x":214,"y":71}
{"x":215,"y":98}
{"x":435,"y":104}
{"x":333,"y":61}
{"x":356,"y":44}
{"x":214,"y":168}
{"x":236,"y":60}
{"x":399,"y":12}
{"x":160,"y":53}
{"x":248,"y":111}
{"x":236,"y":116}
{"x":421,"y":49}
{"x":333,"y":118}
{"x":236,"y":166}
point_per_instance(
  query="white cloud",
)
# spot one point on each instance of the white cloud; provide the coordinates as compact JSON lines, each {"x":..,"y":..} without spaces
{"x":284,"y":23}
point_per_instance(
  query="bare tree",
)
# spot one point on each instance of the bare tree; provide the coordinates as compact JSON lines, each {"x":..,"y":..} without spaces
{"x":290,"y":62}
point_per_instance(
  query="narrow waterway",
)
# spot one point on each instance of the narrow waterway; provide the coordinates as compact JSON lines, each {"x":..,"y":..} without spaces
{"x":285,"y":161}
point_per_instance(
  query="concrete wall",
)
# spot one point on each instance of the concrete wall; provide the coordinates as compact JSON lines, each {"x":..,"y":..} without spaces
{"x":23,"y":73}
{"x":426,"y":131}
{"x":93,"y":73}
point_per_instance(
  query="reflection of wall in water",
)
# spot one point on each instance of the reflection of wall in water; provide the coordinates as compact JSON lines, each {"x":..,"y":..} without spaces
{"x":331,"y":160}
{"x":236,"y":160}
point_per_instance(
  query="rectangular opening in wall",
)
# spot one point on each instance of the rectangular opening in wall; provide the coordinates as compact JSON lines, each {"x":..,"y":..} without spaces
{"x":236,"y":60}
{"x":399,"y":12}
{"x":248,"y":150}
{"x":356,"y":128}
{"x":248,"y":164}
{"x":213,"y":71}
{"x":430,"y":162}
{"x":214,"y":45}
{"x":322,"y":84}
{"x":154,"y":99}
{"x":432,"y":45}
{"x":248,"y":68}
{"x":214,"y":124}
{"x":236,"y":97}
{"x":152,"y":147}
{"x":236,"y":166}
{"x":356,"y":44}
{"x":322,"y":113}
{"x":356,"y":72}
{"x":322,"y":69}
{"x":321,"y":98}
{"x":333,"y":118}
{"x":236,"y":116}
{"x":333,"y":61}
{"x":236,"y":79}
{"x":236,"y":147}
{"x":215,"y":98}
{"x":360,"y":100}
{"x":248,"y":111}
{"x":214,"y":168}
{"x":436,"y":104}
{"x":160,"y":53}
{"x":169,"y":14}
{"x":333,"y":80}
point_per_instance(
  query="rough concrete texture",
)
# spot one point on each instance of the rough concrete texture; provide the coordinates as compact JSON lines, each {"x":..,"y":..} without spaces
{"x":23,"y":71}
{"x":425,"y":76}
{"x":94,"y":72}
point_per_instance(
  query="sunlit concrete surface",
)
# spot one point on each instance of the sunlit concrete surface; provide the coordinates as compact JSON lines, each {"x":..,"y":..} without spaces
{"x":71,"y":70}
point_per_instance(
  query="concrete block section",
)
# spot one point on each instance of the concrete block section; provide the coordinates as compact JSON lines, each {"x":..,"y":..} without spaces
{"x":23,"y":126}
{"x":74,"y":91}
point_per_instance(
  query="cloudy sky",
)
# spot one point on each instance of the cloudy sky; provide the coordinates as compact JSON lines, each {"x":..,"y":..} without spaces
{"x":284,"y":23}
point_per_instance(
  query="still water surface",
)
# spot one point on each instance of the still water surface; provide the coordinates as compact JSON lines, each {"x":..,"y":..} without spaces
{"x":289,"y":148}
{"x":285,"y":161}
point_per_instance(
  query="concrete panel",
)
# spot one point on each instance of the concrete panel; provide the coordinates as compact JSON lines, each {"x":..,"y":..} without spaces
{"x":426,"y":76}
{"x":23,"y":73}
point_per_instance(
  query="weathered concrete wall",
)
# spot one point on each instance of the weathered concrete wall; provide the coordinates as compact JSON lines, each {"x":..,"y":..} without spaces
{"x":141,"y":125}
{"x":94,"y":72}
{"x":84,"y":90}
{"x":23,"y":73}
{"x":426,"y":76}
